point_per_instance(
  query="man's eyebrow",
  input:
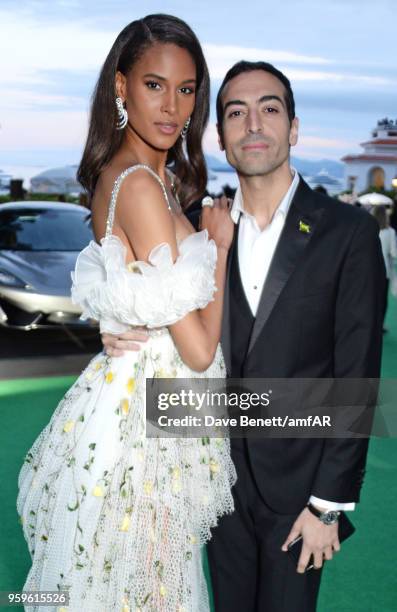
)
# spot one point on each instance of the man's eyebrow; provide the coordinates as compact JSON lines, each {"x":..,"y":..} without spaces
{"x":271,"y":97}
{"x":265,"y":98}
{"x":161,"y":78}
{"x":234,"y":103}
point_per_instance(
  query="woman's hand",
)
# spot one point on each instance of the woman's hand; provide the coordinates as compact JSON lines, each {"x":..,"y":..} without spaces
{"x":218,"y":222}
{"x":115,"y":346}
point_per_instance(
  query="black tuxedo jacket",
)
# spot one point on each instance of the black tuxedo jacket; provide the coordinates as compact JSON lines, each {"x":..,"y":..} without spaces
{"x":319,"y":315}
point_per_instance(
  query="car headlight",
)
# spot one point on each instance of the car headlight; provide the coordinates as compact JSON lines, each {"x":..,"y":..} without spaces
{"x":10,"y":280}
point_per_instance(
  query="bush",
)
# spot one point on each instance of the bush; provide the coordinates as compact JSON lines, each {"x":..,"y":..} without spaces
{"x":47,"y":197}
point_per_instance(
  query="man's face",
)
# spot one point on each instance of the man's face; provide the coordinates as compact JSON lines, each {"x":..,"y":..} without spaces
{"x":256,"y":131}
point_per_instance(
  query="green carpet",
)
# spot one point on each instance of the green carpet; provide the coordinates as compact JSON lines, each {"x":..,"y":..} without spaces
{"x":362,"y":578}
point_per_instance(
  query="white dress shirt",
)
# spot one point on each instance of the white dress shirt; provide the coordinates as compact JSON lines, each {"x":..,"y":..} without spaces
{"x":255,"y":249}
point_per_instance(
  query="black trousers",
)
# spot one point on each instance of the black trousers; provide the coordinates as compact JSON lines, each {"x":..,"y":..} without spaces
{"x":249,"y":571}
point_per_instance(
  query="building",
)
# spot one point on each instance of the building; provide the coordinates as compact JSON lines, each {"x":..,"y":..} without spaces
{"x":376,"y":166}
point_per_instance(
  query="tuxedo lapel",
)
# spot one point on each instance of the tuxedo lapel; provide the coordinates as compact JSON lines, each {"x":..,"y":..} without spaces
{"x":226,"y":326}
{"x":300,"y":225}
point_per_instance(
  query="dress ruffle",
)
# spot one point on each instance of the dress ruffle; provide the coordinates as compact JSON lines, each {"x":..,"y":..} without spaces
{"x":153,"y":294}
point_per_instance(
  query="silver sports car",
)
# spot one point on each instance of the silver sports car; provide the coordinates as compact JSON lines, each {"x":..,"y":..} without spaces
{"x":39,"y":244}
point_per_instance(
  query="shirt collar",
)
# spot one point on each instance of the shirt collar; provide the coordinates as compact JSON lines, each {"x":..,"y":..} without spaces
{"x":283,"y":208}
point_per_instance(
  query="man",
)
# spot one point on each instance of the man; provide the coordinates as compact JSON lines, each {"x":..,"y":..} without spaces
{"x":303,"y":300}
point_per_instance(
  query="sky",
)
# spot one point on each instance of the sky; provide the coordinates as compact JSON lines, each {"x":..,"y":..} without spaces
{"x":340,"y":56}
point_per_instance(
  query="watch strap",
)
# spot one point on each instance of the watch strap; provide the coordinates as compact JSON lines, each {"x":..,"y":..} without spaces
{"x":318,"y":513}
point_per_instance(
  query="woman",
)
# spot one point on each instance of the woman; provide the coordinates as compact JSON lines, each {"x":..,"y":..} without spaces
{"x":387,"y":237}
{"x":110,"y":515}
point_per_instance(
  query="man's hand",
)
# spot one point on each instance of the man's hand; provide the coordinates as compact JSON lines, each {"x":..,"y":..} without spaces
{"x":115,"y":346}
{"x":319,"y":540}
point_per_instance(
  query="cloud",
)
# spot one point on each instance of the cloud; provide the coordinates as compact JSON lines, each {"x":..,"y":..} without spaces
{"x":319,"y":142}
{"x":31,"y":50}
{"x":336,"y":77}
{"x":221,"y":57}
{"x":41,"y":129}
{"x":343,"y":101}
{"x":320,"y":147}
{"x":21,"y":100}
{"x":30,"y":46}
{"x":49,"y":66}
{"x":219,"y":65}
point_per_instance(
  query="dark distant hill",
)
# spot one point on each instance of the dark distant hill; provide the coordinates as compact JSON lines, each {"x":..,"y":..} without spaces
{"x":307,"y":167}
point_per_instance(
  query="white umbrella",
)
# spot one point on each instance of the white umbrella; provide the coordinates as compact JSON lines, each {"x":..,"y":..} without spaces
{"x":375,"y":199}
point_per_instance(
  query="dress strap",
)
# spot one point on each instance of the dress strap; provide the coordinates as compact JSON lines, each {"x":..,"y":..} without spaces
{"x":116,"y":189}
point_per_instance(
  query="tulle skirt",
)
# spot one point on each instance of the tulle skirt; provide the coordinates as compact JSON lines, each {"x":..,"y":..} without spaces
{"x":113,"y":517}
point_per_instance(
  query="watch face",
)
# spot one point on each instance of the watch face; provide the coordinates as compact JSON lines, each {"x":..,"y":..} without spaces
{"x":330,"y":517}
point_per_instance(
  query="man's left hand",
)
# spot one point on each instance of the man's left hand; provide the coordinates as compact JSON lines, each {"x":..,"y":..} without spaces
{"x":319,"y":540}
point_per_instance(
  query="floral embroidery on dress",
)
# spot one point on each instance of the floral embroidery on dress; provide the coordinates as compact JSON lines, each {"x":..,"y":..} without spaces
{"x":113,"y":517}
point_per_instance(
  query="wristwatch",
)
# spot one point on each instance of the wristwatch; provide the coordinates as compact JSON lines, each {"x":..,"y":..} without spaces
{"x":328,"y":518}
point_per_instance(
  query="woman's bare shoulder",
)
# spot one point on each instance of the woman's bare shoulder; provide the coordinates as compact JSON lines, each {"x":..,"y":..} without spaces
{"x":104,"y":186}
{"x":136,"y":191}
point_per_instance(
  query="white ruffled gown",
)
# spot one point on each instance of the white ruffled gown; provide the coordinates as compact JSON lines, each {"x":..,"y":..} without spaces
{"x":112,"y":517}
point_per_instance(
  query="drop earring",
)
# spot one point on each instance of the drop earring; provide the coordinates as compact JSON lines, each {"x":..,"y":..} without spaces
{"x":185,"y":128}
{"x":122,"y":115}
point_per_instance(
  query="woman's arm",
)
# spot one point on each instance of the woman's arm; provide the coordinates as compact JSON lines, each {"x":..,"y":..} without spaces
{"x":142,"y":215}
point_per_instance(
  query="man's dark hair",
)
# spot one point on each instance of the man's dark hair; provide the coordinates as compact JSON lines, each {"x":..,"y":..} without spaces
{"x":245,"y":66}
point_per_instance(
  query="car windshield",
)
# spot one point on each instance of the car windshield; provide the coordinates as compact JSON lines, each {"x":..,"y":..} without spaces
{"x":44,"y":229}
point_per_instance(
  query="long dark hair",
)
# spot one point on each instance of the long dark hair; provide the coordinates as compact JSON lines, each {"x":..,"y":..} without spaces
{"x":103,"y":140}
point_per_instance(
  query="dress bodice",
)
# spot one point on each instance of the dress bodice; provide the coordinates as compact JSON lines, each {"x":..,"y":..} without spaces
{"x":155,"y":293}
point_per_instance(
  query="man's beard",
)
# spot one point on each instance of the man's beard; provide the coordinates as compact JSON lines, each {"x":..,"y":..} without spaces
{"x":260,"y":166}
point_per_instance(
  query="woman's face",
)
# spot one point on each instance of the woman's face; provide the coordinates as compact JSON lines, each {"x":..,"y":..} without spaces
{"x":159,"y":91}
